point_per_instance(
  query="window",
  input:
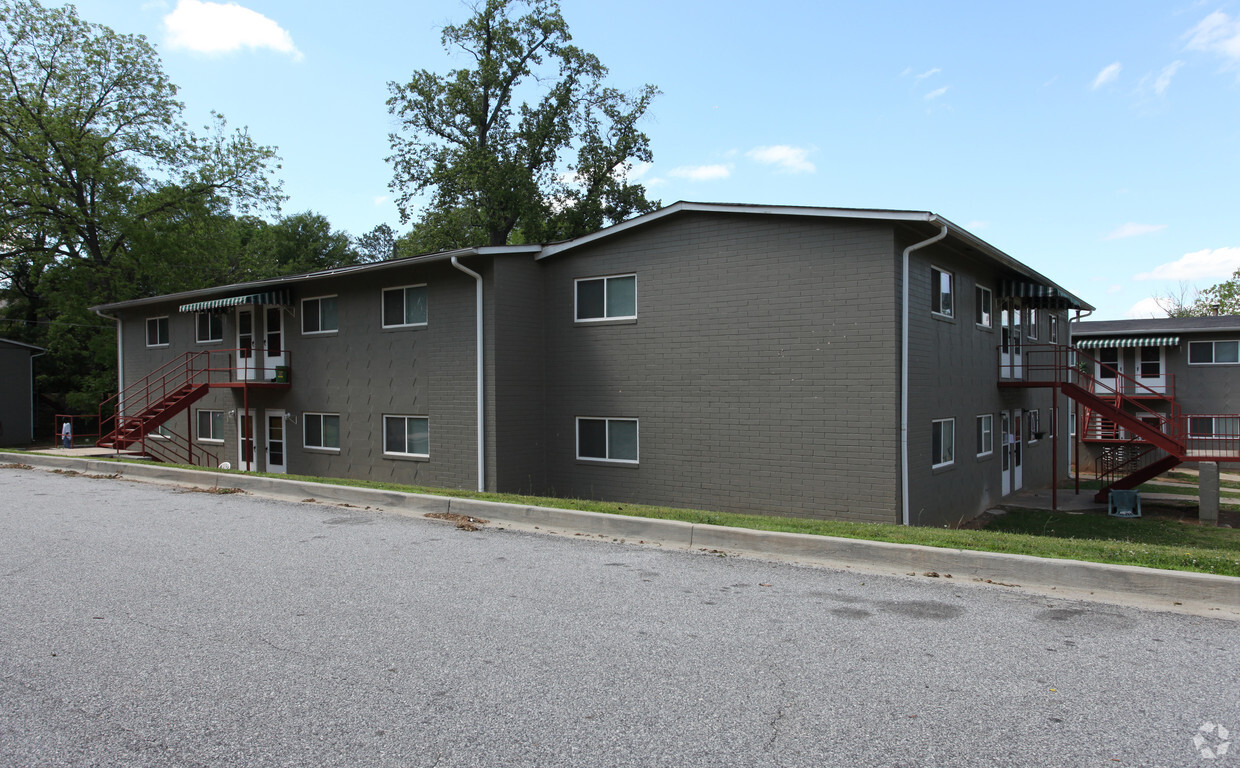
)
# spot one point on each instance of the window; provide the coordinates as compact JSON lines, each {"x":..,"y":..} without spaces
{"x":1033,"y":323}
{"x":211,"y":426}
{"x":319,"y":315}
{"x":940,"y":292}
{"x":942,"y":442}
{"x":157,"y":331}
{"x":607,"y":439}
{"x":1035,"y":425}
{"x":1213,"y":352}
{"x":1072,"y":421}
{"x":984,"y":306}
{"x":1054,"y":321}
{"x":1214,"y":426}
{"x":210,"y":327}
{"x":1053,"y":415}
{"x":406,"y":436}
{"x":404,"y":306}
{"x":321,"y":430}
{"x":162,"y":432}
{"x":985,"y":434}
{"x":607,"y":298}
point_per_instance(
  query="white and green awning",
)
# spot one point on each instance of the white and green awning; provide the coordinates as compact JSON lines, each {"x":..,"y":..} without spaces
{"x":1129,"y":341}
{"x":1037,"y":295}
{"x":279,"y":297}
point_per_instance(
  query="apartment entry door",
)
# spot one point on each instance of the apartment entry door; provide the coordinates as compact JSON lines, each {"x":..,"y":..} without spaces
{"x":1010,"y":453}
{"x":1152,"y":369}
{"x":1011,"y":353}
{"x":246,"y":460}
{"x":257,"y":361}
{"x":275,"y":442}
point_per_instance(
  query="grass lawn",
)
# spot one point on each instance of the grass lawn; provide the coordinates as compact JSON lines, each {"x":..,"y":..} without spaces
{"x":1155,"y":541}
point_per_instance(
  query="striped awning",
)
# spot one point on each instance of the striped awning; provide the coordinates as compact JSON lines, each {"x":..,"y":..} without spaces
{"x":1037,"y":295}
{"x":278,"y":297}
{"x":1129,"y":341}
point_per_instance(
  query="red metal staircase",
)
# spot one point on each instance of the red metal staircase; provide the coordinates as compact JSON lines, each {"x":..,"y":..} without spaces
{"x":137,"y":411}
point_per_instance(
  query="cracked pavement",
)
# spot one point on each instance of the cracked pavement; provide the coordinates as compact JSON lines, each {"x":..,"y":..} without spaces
{"x":143,"y":626}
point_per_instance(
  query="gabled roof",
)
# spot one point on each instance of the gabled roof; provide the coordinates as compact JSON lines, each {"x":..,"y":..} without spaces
{"x":1156,"y":325}
{"x":1022,"y":281}
{"x":30,"y":347}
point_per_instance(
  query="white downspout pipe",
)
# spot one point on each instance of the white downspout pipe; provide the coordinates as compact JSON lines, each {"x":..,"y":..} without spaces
{"x":904,"y":365}
{"x":478,"y":342}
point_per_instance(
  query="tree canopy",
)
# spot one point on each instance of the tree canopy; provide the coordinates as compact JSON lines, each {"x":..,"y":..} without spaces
{"x":496,"y":169}
{"x":1220,"y":299}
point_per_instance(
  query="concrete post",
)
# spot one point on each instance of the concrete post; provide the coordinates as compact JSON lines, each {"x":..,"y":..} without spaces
{"x":1208,"y":493}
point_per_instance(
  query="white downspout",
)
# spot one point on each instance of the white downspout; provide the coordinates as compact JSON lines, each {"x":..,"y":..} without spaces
{"x":904,"y":367}
{"x":120,"y":363}
{"x":478,"y":341}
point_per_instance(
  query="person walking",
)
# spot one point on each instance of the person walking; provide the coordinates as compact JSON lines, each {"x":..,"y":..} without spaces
{"x":66,"y":434}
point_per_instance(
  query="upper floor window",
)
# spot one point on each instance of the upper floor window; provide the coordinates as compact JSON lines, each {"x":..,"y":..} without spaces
{"x":157,"y":331}
{"x":1032,"y":325}
{"x":941,"y":292}
{"x":1054,"y":328}
{"x":1213,"y":352}
{"x":607,"y":439}
{"x":1035,"y":425}
{"x":319,"y":315}
{"x":210,"y":327}
{"x":607,"y":298}
{"x":984,"y":301}
{"x":404,"y":306}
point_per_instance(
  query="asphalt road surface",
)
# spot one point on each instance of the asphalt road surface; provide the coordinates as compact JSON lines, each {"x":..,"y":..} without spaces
{"x":148,"y":626}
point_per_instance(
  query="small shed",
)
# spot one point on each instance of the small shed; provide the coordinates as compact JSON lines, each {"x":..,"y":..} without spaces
{"x":17,"y":392}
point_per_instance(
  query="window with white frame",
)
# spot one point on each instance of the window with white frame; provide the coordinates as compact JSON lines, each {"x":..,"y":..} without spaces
{"x":404,"y":306}
{"x":1218,"y":427}
{"x":1054,"y":328}
{"x":1032,"y":325}
{"x":941,"y":292}
{"x":606,"y":298}
{"x":318,"y":315}
{"x":1035,"y":424}
{"x":985,"y":434}
{"x":983,"y":310}
{"x":605,"y":439}
{"x":406,"y":436}
{"x":1071,"y":421}
{"x":162,"y":432}
{"x":942,"y":442}
{"x":211,"y":426}
{"x":209,"y":327}
{"x":157,"y":331}
{"x":1213,"y":352}
{"x":321,"y":430}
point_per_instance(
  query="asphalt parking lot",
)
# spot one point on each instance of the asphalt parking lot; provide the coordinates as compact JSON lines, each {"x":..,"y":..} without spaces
{"x":150,"y":626}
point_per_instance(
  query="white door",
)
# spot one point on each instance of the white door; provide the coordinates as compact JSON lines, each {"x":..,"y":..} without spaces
{"x":246,"y":460}
{"x":1005,"y":452}
{"x":245,"y":344}
{"x":275,"y":442}
{"x":1152,"y":369}
{"x":1108,"y":370}
{"x":1018,"y":449}
{"x":273,"y":350}
{"x":1011,"y":357}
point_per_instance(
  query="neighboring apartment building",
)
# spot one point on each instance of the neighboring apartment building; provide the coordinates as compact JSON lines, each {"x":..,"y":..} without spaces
{"x":17,"y":392}
{"x":1180,"y":376}
{"x":728,"y":357}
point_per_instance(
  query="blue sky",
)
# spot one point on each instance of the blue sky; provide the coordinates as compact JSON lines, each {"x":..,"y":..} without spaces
{"x":1098,"y":142}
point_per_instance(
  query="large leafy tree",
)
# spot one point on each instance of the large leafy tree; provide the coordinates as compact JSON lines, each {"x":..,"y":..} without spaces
{"x":473,"y":164}
{"x":95,"y":164}
{"x":1220,"y":299}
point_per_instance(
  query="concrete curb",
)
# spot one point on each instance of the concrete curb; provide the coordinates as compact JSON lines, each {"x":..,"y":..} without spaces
{"x":1149,"y":587}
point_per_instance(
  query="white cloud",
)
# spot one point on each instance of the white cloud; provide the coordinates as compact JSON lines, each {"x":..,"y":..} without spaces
{"x":1208,"y":263}
{"x":1163,"y":81}
{"x":927,"y":73}
{"x":1217,"y":33}
{"x":701,"y":172}
{"x":637,"y":171}
{"x":1115,"y":289}
{"x":1134,"y":230}
{"x":1146,"y":308}
{"x":786,"y":158}
{"x":381,"y":199}
{"x":207,"y":27}
{"x":935,"y":93}
{"x":1107,"y":75}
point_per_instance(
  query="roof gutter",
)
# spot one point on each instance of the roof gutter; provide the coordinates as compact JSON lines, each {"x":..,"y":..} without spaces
{"x":482,"y":476}
{"x":904,"y":504}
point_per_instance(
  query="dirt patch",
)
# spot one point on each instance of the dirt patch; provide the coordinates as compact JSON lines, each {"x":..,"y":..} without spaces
{"x":217,"y":491}
{"x":15,"y":466}
{"x":464,"y":522}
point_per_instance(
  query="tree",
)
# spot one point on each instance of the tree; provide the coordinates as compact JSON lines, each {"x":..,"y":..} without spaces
{"x":550,"y":169}
{"x":377,"y":244}
{"x":301,"y":242}
{"x":95,"y":163}
{"x":1220,"y":299}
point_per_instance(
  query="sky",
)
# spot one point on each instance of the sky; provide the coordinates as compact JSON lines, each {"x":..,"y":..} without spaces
{"x":1097,"y":142}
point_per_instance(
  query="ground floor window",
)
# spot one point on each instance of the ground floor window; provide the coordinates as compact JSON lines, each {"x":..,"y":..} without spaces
{"x":406,"y":435}
{"x":321,"y":430}
{"x":1035,"y":425}
{"x":985,"y":434}
{"x":211,"y":426}
{"x":943,"y":442}
{"x":604,"y":439}
{"x":1214,"y":426}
